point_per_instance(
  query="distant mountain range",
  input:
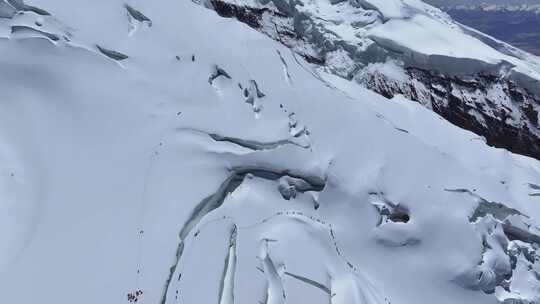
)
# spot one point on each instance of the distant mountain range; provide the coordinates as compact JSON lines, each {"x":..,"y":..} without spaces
{"x":486,"y":7}
{"x":516,"y":24}
{"x":477,"y":2}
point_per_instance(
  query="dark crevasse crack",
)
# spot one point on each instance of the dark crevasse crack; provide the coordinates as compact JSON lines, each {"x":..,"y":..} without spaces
{"x":252,"y":92}
{"x":26,"y":29}
{"x":497,"y":210}
{"x":36,"y":10}
{"x":285,"y":68}
{"x":172,"y":269}
{"x":218,"y":72}
{"x":458,"y":190}
{"x":401,"y":130}
{"x":19,"y":5}
{"x":485,"y":207}
{"x":249,"y":143}
{"x":389,"y":211}
{"x":137,"y":15}
{"x":255,"y":87}
{"x":216,"y":200}
{"x":254,"y":145}
{"x":206,"y":206}
{"x":514,"y":233}
{"x":392,"y":218}
{"x":312,"y":182}
{"x":305,"y":280}
{"x":112,"y":54}
{"x":226,"y":289}
{"x":275,"y":293}
{"x":289,"y":182}
{"x":534,"y":186}
{"x":310,"y":282}
{"x":500,"y":212}
{"x":253,"y":95}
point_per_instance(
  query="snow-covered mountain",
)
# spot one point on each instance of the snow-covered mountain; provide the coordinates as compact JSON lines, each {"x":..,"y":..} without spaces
{"x":413,"y":49}
{"x":154,"y":152}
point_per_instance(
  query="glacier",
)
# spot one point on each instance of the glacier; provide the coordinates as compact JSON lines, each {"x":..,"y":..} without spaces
{"x":474,"y":81}
{"x":155,"y":152}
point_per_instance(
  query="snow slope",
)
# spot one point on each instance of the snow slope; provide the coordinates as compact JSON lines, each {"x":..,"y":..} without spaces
{"x":167,"y":150}
{"x":452,"y":69}
{"x":426,"y":30}
{"x":534,"y":8}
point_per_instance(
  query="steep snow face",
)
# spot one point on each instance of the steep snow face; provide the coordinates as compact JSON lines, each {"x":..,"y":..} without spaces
{"x":401,"y":26}
{"x":439,"y":56}
{"x":166,"y":155}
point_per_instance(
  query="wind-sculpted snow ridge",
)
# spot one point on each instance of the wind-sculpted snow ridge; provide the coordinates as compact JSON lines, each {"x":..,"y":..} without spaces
{"x":410,"y":48}
{"x":214,"y":165}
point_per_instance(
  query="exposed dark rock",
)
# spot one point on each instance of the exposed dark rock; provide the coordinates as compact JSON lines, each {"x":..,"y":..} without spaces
{"x":456,"y":89}
{"x":464,"y":102}
{"x":248,"y":15}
